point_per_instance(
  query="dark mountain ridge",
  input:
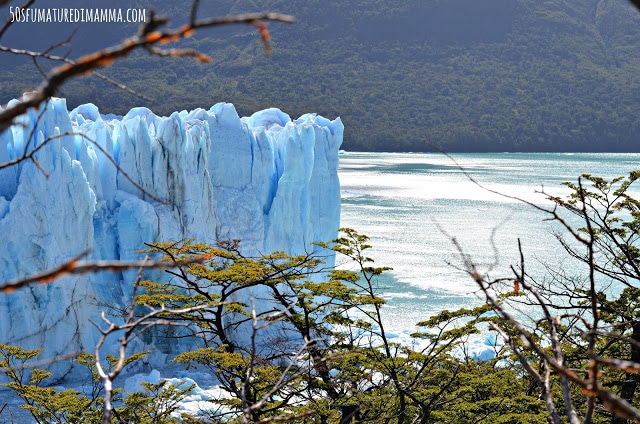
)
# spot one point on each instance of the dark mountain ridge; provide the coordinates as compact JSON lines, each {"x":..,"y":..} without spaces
{"x":464,"y":75}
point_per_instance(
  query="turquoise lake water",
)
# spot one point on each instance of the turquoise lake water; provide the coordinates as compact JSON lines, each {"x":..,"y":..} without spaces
{"x":412,"y":205}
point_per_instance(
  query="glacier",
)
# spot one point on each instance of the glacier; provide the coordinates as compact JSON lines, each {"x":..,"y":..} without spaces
{"x":266,"y":180}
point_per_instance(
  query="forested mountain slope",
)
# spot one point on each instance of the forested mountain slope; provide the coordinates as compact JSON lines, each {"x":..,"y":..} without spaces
{"x":466,"y":75}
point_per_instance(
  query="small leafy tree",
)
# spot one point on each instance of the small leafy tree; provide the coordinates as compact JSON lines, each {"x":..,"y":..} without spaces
{"x":288,"y":364}
{"x":329,"y":358}
{"x":156,"y":403}
{"x":51,"y":404}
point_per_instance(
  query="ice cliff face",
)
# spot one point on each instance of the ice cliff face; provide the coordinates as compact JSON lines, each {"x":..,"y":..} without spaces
{"x":266,"y":180}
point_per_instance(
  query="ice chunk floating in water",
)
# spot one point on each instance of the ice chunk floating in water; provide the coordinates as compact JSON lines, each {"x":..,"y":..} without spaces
{"x":266,"y":180}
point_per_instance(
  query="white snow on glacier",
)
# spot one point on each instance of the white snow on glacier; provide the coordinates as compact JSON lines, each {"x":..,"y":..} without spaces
{"x":267,"y":180}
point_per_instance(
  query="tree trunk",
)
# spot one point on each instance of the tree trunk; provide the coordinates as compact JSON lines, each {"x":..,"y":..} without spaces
{"x":350,"y":414}
{"x":630,"y":384}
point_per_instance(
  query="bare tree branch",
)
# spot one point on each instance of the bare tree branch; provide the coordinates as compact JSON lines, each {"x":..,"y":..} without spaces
{"x":75,"y":266}
{"x":194,"y":11}
{"x":146,"y":38}
{"x":99,"y":75}
{"x":130,"y":327}
{"x":29,"y":155}
{"x":286,"y":376}
{"x":592,"y":388}
{"x":10,"y":22}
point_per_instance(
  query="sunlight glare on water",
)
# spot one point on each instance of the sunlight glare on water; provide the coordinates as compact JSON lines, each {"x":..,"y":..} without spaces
{"x":413,"y":205}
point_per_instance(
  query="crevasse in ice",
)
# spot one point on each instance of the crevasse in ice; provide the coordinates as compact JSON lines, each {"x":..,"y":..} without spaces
{"x":266,"y":180}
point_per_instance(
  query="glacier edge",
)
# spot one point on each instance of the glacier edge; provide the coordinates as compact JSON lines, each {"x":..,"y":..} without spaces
{"x":266,"y":180}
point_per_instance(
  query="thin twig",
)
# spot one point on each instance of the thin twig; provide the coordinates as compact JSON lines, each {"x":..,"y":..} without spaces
{"x":41,"y":363}
{"x":10,"y":22}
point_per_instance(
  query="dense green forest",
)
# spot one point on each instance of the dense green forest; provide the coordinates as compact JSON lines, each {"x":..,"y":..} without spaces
{"x":464,"y":75}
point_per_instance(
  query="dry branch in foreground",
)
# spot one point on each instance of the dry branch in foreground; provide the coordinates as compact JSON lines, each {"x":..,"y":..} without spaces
{"x":148,"y":38}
